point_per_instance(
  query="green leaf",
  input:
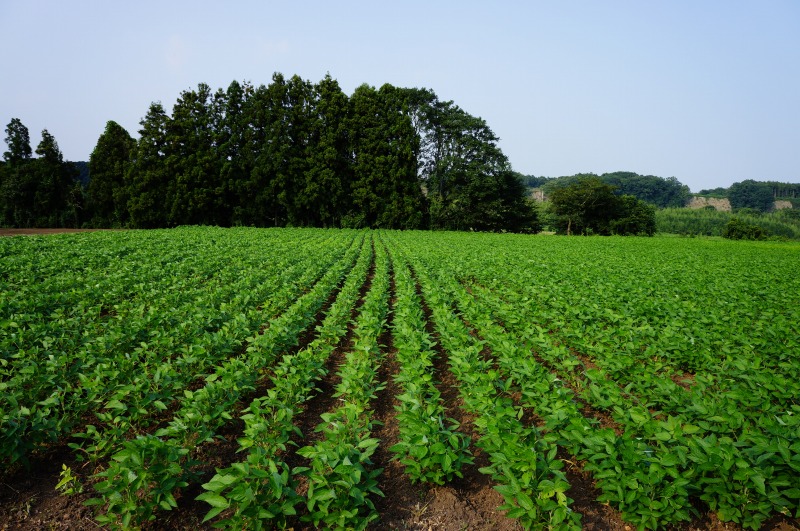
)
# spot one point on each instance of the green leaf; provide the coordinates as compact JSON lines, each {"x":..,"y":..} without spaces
{"x":116,"y":404}
{"x":215,"y":500}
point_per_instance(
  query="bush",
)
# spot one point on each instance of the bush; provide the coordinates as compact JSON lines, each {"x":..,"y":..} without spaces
{"x":737,"y":229}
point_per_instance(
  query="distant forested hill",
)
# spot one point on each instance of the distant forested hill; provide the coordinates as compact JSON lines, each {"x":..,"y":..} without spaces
{"x":659,"y":191}
{"x":758,"y":195}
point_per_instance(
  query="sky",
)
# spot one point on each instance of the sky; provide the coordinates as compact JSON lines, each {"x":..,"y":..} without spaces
{"x":705,"y":91}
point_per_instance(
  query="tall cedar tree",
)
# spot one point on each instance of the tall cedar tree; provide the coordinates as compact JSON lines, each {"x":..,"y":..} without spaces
{"x":17,"y":186}
{"x":198,"y":191}
{"x":231,"y":129}
{"x":260,"y":205}
{"x":296,"y":146}
{"x":54,"y":199}
{"x":385,"y":189}
{"x":324,"y":198}
{"x":18,"y":141}
{"x":37,"y":192}
{"x":107,"y":193}
{"x":149,"y":177}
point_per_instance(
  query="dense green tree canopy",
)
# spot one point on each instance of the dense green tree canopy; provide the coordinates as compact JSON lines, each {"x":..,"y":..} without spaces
{"x":385,"y":188}
{"x":736,"y":229}
{"x":303,"y":154}
{"x":326,"y":196}
{"x":106,"y":193}
{"x":584,"y":206}
{"x":37,"y":192}
{"x":149,"y":178}
{"x":658,"y":191}
{"x":469,"y":182}
{"x":18,"y":141}
{"x":590,"y":206}
{"x":661,"y":192}
{"x":751,"y":194}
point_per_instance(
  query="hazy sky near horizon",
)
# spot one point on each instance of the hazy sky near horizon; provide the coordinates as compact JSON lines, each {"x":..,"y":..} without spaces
{"x":706,"y":91}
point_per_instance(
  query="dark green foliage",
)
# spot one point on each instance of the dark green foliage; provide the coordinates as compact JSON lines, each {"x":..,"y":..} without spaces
{"x":106,"y":193}
{"x":291,"y":153}
{"x":751,"y":194}
{"x":586,"y":206}
{"x":635,"y":217}
{"x":83,"y":172}
{"x":714,"y":192}
{"x":149,"y":176}
{"x":327,"y":184}
{"x":658,"y":191}
{"x":737,"y":229}
{"x":191,"y":154}
{"x":589,"y":206}
{"x":55,"y":181}
{"x":231,"y":137}
{"x":385,"y":189}
{"x":16,"y":183}
{"x":531,"y":181}
{"x":18,"y":141}
{"x":294,"y":150}
{"x":758,"y":195}
{"x":661,"y":192}
{"x":257,"y":201}
{"x":37,"y":192}
{"x":469,"y":181}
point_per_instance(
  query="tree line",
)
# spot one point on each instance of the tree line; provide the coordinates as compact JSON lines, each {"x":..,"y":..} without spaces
{"x":37,"y":192}
{"x":660,"y":192}
{"x":757,"y":195}
{"x":291,"y":153}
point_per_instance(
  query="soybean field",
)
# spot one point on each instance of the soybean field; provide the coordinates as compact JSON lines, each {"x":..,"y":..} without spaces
{"x":200,"y":377}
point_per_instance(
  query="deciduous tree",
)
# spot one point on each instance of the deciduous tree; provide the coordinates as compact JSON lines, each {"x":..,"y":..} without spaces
{"x":586,"y":206}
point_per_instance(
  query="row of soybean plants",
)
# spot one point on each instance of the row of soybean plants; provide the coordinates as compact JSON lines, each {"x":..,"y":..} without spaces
{"x":735,"y":445}
{"x":430,"y":447}
{"x":340,"y":478}
{"x":262,"y":490}
{"x":170,"y":328}
{"x":144,"y":473}
{"x":662,"y":458}
{"x":523,"y":463}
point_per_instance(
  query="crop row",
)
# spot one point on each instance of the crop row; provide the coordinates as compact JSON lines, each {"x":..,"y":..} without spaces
{"x":261,"y":489}
{"x":145,"y":472}
{"x":522,"y":463}
{"x":668,"y":383}
{"x":742,"y":463}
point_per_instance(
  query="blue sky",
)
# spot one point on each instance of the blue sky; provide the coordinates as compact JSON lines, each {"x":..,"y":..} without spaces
{"x":705,"y":91}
